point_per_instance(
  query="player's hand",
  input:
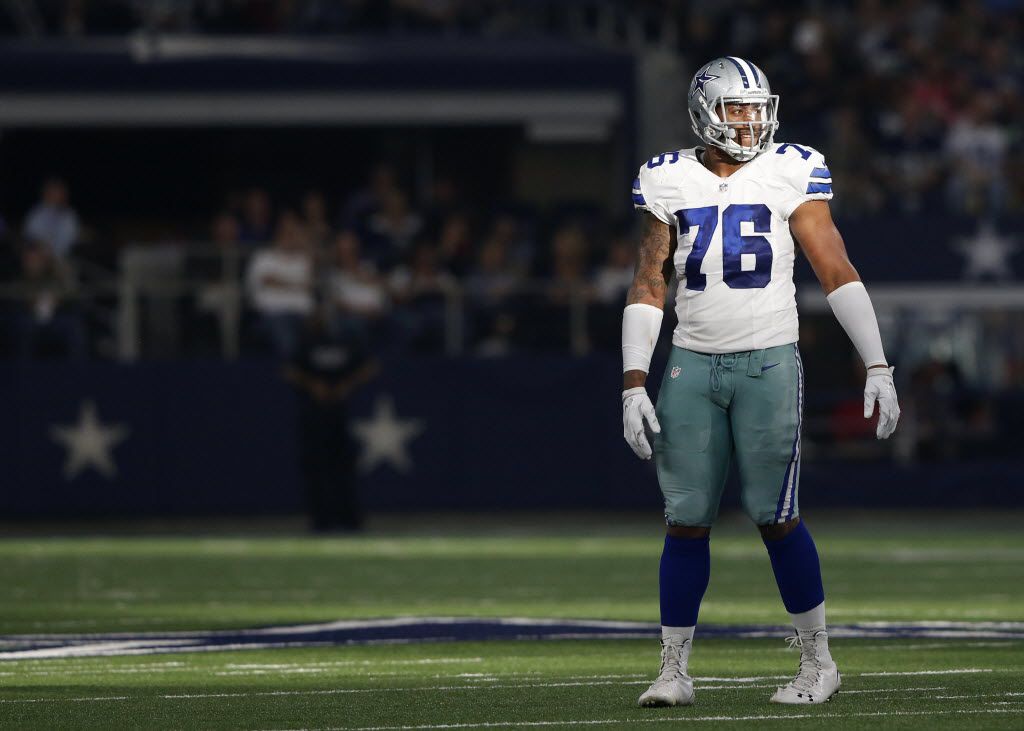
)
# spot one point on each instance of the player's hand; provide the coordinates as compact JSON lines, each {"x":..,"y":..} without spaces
{"x":636,"y":407}
{"x":880,"y":388}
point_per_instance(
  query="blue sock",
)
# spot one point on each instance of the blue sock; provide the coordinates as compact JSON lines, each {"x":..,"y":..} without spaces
{"x":797,"y":572}
{"x":685,"y":571}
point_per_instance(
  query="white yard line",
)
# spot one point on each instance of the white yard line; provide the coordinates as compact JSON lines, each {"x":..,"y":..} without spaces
{"x":417,"y":661}
{"x":66,"y":700}
{"x":748,"y":679}
{"x":105,"y":671}
{"x":891,"y":645}
{"x":958,"y":671}
{"x":844,"y":691}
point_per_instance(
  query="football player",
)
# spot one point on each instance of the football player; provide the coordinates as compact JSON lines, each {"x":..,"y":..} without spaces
{"x":727,"y":218}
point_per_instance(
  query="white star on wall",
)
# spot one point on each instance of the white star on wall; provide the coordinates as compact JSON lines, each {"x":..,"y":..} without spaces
{"x":385,"y":437}
{"x":986,"y":253}
{"x":89,"y":443}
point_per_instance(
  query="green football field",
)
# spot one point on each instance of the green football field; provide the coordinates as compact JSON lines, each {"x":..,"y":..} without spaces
{"x":938,"y":602}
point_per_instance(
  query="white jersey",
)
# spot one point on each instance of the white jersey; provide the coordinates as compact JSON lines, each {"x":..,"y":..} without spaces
{"x":735,"y":253}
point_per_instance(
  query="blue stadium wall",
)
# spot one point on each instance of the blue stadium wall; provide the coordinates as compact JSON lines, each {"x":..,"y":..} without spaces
{"x":519,"y":433}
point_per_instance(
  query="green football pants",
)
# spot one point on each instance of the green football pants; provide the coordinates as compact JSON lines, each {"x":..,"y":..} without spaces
{"x":712,"y":407}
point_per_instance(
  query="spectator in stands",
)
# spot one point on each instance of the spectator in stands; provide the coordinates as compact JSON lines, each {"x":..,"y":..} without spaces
{"x":280,"y":285}
{"x":370,"y":199}
{"x":977,"y":149}
{"x":392,"y":230}
{"x":456,"y":242}
{"x":490,"y":289}
{"x":46,"y":321}
{"x":420,"y":287}
{"x":354,"y":286}
{"x":569,"y":265}
{"x":257,"y":218}
{"x":314,"y":214}
{"x":852,"y":164}
{"x":509,"y":233}
{"x":912,"y":139}
{"x":493,"y":279}
{"x":609,"y":284}
{"x":615,"y":275}
{"x":53,"y":223}
{"x":215,"y":269}
{"x":444,"y":199}
{"x":225,"y":232}
{"x":566,"y":294}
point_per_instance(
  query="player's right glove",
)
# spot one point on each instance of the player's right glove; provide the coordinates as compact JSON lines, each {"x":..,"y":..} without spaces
{"x":879,"y":387}
{"x":636,"y":407}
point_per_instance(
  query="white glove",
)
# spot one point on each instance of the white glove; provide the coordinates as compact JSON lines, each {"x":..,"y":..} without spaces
{"x":880,"y":388}
{"x":637,"y":406}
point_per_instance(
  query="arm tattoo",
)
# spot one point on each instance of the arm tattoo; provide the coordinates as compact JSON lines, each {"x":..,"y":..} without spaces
{"x":653,"y":264}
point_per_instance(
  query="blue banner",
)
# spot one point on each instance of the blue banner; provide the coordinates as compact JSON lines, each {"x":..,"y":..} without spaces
{"x":432,"y":434}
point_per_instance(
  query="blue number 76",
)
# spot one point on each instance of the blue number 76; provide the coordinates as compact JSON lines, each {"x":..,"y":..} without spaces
{"x":734,"y":244}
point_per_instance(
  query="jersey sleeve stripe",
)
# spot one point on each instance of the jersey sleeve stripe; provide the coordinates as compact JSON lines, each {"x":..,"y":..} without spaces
{"x":638,"y":193}
{"x":821,"y":173}
{"x":819,"y":188}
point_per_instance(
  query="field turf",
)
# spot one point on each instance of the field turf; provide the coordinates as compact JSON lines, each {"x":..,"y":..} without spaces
{"x":937,"y":568}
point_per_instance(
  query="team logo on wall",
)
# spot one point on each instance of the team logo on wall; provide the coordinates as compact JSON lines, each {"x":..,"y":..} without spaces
{"x":676,"y":370}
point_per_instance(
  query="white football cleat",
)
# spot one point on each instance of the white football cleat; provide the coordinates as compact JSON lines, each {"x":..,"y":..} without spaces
{"x":818,"y":679}
{"x":673,"y":686}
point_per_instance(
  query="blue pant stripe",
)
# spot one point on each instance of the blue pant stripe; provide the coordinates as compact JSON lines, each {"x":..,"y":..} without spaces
{"x":799,"y":429}
{"x":788,"y":492}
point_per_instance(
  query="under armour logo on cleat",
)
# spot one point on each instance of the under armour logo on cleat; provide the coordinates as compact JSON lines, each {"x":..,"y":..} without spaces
{"x":764,"y":368}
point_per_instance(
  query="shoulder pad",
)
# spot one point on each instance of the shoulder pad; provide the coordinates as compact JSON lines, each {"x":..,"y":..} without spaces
{"x":652,"y":184}
{"x":805,"y":169}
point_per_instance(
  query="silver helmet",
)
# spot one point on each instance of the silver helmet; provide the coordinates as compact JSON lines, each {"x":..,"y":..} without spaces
{"x":732,"y":80}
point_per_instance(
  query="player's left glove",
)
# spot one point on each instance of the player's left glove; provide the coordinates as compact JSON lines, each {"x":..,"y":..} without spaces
{"x":637,"y":406}
{"x":880,"y":388}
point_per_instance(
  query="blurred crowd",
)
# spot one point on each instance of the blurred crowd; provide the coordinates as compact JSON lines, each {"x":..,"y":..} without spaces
{"x":395,"y":271}
{"x":918,"y":103}
{"x":430,"y":279}
{"x":41,"y":315}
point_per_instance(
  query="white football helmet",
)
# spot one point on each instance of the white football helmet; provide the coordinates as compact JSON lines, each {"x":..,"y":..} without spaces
{"x":732,"y":80}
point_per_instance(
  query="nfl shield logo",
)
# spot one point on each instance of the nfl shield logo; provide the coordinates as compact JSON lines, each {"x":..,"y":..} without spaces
{"x":676,"y":370}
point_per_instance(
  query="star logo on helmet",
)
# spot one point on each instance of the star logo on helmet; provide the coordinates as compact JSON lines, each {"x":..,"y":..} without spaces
{"x":701,"y":80}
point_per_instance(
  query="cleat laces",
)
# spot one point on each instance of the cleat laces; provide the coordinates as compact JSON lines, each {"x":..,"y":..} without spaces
{"x":807,"y":679}
{"x":671,"y":661}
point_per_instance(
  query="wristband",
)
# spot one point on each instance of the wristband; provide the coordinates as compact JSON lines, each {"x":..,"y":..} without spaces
{"x":641,"y":325}
{"x":852,"y":307}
